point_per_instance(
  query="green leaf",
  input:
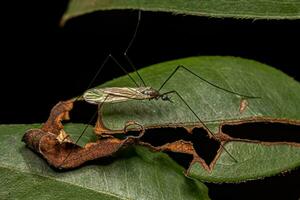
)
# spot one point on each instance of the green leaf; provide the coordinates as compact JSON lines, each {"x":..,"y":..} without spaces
{"x":255,"y":161}
{"x":279,"y":94}
{"x":264,"y":9}
{"x":279,"y":102}
{"x":137,"y":173}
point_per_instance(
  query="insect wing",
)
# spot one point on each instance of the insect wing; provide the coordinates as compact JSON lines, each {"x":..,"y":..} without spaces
{"x":97,"y":96}
{"x":113,"y":95}
{"x":129,"y":93}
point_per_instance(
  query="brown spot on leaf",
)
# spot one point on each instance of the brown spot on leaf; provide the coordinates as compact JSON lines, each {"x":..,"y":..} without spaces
{"x":243,"y":105}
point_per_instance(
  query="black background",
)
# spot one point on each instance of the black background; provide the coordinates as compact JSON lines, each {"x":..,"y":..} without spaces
{"x":43,"y":63}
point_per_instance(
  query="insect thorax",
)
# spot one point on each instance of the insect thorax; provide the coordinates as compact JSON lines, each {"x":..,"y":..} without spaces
{"x":149,"y":92}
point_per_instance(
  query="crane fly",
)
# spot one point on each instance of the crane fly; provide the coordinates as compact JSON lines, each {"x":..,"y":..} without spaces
{"x":101,"y":96}
{"x":121,"y":94}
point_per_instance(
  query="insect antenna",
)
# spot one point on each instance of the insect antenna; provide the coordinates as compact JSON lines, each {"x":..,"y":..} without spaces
{"x":203,"y":124}
{"x":130,"y":44}
{"x":201,"y":78}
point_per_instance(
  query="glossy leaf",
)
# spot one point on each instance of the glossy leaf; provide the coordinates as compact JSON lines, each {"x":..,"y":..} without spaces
{"x":278,"y":102}
{"x":266,"y":9}
{"x":137,"y":173}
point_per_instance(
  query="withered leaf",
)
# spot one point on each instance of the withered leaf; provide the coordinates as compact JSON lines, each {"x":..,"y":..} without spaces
{"x":136,"y":173}
{"x":62,"y":153}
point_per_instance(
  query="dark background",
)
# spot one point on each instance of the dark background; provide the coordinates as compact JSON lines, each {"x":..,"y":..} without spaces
{"x":43,"y":63}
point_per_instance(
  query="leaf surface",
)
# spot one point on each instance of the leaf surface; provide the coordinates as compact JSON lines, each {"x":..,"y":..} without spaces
{"x":278,"y":103}
{"x":137,"y":173}
{"x":264,"y":9}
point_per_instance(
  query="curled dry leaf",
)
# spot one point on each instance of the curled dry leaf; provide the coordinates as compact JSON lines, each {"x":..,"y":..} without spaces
{"x":63,"y":153}
{"x":55,"y":145}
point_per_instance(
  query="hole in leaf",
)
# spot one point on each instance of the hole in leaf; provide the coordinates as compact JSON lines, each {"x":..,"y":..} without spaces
{"x":160,"y":136}
{"x":267,"y":132}
{"x":182,"y":159}
{"x":82,"y":112}
{"x":205,"y":147}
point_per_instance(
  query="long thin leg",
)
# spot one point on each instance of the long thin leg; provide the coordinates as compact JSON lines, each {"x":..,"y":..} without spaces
{"x":130,"y":44}
{"x":203,"y":124}
{"x":84,"y":130}
{"x":224,"y":89}
{"x":96,"y":75}
{"x":77,"y":140}
{"x":109,"y":56}
{"x":124,"y":70}
{"x":120,"y":66}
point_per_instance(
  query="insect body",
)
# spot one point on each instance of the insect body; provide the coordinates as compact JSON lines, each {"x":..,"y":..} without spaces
{"x":101,"y":96}
{"x":121,"y":94}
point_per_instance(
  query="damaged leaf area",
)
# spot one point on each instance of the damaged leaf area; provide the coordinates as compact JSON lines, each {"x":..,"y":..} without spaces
{"x":261,"y":134}
{"x":134,"y":173}
{"x":55,"y":145}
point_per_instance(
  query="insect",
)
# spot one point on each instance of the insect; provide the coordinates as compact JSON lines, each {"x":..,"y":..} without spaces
{"x":101,"y":96}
